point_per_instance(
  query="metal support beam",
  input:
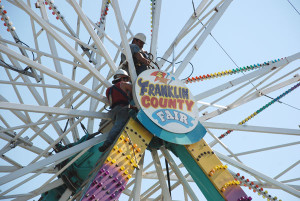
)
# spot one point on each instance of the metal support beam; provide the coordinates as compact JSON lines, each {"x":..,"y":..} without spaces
{"x":125,"y":44}
{"x":258,"y":174}
{"x":10,"y":168}
{"x":23,"y":118}
{"x":187,"y":25}
{"x":12,"y":135}
{"x":156,"y":9}
{"x":265,"y":91}
{"x":161,"y":177}
{"x":23,"y":197}
{"x":14,"y":68}
{"x":92,"y":33}
{"x":62,"y":42}
{"x":41,"y":53}
{"x":255,"y":151}
{"x":53,"y":110}
{"x":247,"y":77}
{"x":234,"y":82}
{"x":259,"y":129}
{"x":24,"y":53}
{"x":51,"y":159}
{"x":138,"y":181}
{"x":178,"y":173}
{"x":31,"y":148}
{"x":53,"y":48}
{"x":287,"y":169}
{"x":53,"y":74}
{"x":66,"y":195}
{"x":201,"y":39}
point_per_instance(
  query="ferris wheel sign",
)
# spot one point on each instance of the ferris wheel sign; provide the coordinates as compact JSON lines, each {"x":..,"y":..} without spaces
{"x":166,"y":101}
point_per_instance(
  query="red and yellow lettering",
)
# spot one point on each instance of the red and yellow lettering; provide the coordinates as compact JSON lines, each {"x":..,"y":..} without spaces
{"x":145,"y":101}
{"x":154,"y":102}
{"x":163,"y":102}
{"x":180,"y":102}
{"x":172,"y":103}
{"x":189,"y":104}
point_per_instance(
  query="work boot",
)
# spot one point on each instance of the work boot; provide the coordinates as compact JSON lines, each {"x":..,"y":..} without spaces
{"x":104,"y":147}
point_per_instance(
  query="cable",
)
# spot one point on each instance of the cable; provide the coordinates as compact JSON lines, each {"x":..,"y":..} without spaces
{"x":223,"y":49}
{"x":235,"y":62}
{"x":6,"y":64}
{"x":16,"y":69}
{"x":178,"y":63}
{"x":94,"y":30}
{"x":18,"y":40}
{"x":168,"y":176}
{"x":66,"y":126}
{"x":149,"y":56}
{"x":283,"y":103}
{"x":258,"y":111}
{"x":194,"y":8}
{"x":294,"y":7}
{"x":89,"y":40}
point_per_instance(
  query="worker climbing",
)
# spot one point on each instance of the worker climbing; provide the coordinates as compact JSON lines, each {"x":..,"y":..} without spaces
{"x":140,"y":57}
{"x":119,"y":96}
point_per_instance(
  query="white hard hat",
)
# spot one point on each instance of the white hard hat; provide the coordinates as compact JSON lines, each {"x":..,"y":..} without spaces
{"x":120,"y":72}
{"x":141,"y":37}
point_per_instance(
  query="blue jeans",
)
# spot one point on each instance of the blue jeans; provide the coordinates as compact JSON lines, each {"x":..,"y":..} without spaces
{"x":121,"y":117}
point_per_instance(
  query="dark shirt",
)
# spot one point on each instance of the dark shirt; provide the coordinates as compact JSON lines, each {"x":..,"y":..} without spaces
{"x":139,"y":67}
{"x":134,"y":49}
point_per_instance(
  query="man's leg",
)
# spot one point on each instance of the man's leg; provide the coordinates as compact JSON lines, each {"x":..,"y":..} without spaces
{"x":121,"y":118}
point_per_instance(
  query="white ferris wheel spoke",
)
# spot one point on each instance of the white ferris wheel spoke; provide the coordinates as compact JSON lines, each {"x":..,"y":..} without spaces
{"x":260,"y":129}
{"x":63,"y":43}
{"x":53,"y":74}
{"x":160,"y":174}
{"x":266,"y":149}
{"x":184,"y":29}
{"x":31,"y":194}
{"x":51,"y":159}
{"x":155,"y":20}
{"x":53,"y":110}
{"x":178,"y":173}
{"x":258,"y":174}
{"x":201,"y":39}
{"x":94,"y":36}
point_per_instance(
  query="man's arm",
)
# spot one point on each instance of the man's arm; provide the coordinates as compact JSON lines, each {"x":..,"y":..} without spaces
{"x":141,"y":58}
{"x":126,"y":86}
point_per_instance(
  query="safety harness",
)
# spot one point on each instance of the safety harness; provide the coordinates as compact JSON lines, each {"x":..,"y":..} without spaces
{"x":119,"y":102}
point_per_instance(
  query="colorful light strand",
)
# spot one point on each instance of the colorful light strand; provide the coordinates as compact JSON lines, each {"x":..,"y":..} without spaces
{"x":218,"y":167}
{"x":117,"y":169}
{"x":256,"y":188}
{"x":230,"y":72}
{"x":5,"y":18}
{"x":230,"y":183}
{"x":54,"y":9}
{"x":104,"y":13}
{"x":262,"y":109}
{"x":245,"y":198}
{"x":56,"y":12}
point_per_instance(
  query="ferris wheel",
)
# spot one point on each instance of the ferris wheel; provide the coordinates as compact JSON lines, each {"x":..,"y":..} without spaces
{"x":57,"y":59}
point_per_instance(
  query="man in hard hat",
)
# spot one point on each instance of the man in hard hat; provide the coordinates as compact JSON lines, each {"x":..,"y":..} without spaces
{"x":119,"y":96}
{"x":140,"y":60}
